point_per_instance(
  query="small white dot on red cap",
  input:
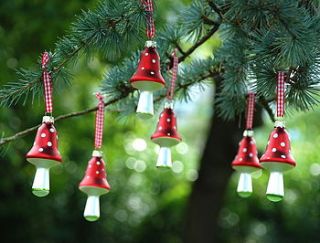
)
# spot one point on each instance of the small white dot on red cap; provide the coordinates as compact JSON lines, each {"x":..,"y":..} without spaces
{"x":154,"y":61}
{"x":244,"y":150}
{"x":168,"y":134}
{"x":51,"y":129}
{"x":282,"y":144}
{"x":102,"y":169}
{"x":40,"y":149}
{"x":251,"y":155}
{"x":49,"y":144}
{"x":98,"y":163}
{"x":97,"y":172}
{"x":274,"y":150}
{"x":275,"y":135}
{"x":146,"y":54}
{"x":174,"y":127}
{"x":168,"y":120}
{"x":43,"y":135}
{"x":252,"y":142}
{"x":161,"y":115}
{"x":90,"y":166}
{"x":160,"y":128}
{"x":88,"y":176}
{"x":283,"y":156}
{"x":240,"y":159}
{"x":152,"y":73}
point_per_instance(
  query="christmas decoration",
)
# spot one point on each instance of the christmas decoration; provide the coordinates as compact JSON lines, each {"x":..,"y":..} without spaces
{"x":246,"y":161}
{"x":277,"y":157}
{"x":94,"y":182}
{"x":44,"y":154}
{"x":148,"y":78}
{"x":166,"y":134}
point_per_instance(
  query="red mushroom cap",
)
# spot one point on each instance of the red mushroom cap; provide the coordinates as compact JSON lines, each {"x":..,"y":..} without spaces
{"x":278,"y":150}
{"x":44,"y":152}
{"x":148,"y":75}
{"x":247,"y":155}
{"x":95,"y":178}
{"x":166,"y":134}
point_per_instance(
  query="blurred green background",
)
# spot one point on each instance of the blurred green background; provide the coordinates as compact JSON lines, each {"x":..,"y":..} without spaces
{"x":145,"y":204}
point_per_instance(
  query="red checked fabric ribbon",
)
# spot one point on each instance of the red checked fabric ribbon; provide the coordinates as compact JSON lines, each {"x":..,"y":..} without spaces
{"x":174,"y":73}
{"x":151,"y":29}
{"x":250,"y":110}
{"x":99,"y":122}
{"x":47,"y":81}
{"x":280,"y":93}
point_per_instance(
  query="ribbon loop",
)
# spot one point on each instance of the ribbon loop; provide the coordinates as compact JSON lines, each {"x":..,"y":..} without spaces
{"x":47,"y":81}
{"x":99,"y":122}
{"x":250,"y":110}
{"x":174,"y":73}
{"x":151,"y":30}
{"x":280,"y":93}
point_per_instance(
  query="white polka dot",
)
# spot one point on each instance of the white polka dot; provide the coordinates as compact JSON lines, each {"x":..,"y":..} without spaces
{"x":274,"y":150}
{"x":98,"y":163}
{"x":88,"y":176}
{"x":40,"y":149}
{"x":49,"y":144}
{"x":251,"y":155}
{"x":146,"y":54}
{"x":251,"y":142}
{"x":43,"y":135}
{"x":152,"y":73}
{"x":90,"y":166}
{"x":168,"y":133}
{"x":168,"y":120}
{"x":34,"y":143}
{"x":275,"y":135}
{"x":282,"y":144}
{"x":97,"y":172}
{"x":142,"y":68}
{"x":161,"y":115}
{"x":174,"y":127}
{"x":160,"y":128}
{"x":51,"y":129}
{"x":244,"y":150}
{"x":240,"y":159}
{"x":102,"y":169}
{"x":154,"y":61}
{"x":283,"y":156}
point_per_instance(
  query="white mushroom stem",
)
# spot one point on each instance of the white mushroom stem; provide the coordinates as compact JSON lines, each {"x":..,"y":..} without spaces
{"x":245,"y":185}
{"x":164,"y":157}
{"x":275,"y":189}
{"x":41,"y":183}
{"x":92,"y":209}
{"x":145,"y":105}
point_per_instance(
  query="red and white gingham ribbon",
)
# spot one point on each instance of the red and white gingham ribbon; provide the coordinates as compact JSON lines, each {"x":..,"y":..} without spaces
{"x":151,"y":29}
{"x":280,"y":93}
{"x":174,"y":73}
{"x":47,"y":81}
{"x":250,"y":110}
{"x":99,"y":122}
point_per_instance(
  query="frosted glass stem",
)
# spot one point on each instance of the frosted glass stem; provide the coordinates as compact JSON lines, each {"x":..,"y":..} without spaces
{"x":245,"y":185}
{"x":92,"y":209}
{"x":41,"y":182}
{"x":164,"y":157}
{"x":145,"y":105}
{"x":275,"y":190}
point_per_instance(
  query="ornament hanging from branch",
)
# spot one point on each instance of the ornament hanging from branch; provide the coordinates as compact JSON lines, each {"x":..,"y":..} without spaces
{"x":277,"y":157}
{"x":94,"y":182}
{"x":147,"y":78}
{"x":44,"y":154}
{"x":166,"y":134}
{"x":246,"y":161}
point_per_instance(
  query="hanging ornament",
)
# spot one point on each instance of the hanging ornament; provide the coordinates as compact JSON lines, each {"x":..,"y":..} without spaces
{"x":166,"y":134}
{"x":94,"y":182}
{"x":148,"y":78}
{"x":246,"y":161}
{"x":277,"y":157}
{"x":44,"y":154}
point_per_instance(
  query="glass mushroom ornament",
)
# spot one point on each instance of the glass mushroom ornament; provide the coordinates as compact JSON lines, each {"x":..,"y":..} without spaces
{"x":277,"y":157}
{"x":94,"y":182}
{"x":246,"y":161}
{"x":44,"y":154}
{"x":147,"y":77}
{"x":166,"y":134}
